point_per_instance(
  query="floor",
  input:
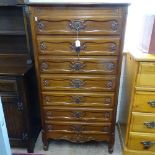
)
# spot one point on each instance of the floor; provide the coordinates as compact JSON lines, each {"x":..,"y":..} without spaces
{"x":66,"y":148}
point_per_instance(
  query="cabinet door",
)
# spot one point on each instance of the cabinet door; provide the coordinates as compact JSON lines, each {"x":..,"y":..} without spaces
{"x":13,"y":111}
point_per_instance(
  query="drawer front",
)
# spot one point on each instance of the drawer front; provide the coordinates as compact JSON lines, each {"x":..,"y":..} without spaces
{"x":77,"y":114}
{"x":143,"y":122}
{"x":8,"y":85}
{"x":77,"y":99}
{"x":146,"y":75}
{"x":60,"y":45}
{"x":86,"y":20}
{"x":144,"y":101}
{"x":55,"y":64}
{"x":76,"y":127}
{"x":141,"y":141}
{"x":78,"y":82}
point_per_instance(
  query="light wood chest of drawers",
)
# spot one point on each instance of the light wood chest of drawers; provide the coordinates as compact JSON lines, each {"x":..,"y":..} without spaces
{"x":78,"y":94}
{"x":139,"y":137}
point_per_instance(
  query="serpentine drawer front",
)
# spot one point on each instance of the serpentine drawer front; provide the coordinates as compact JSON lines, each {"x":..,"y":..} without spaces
{"x":102,"y":20}
{"x":77,"y":58}
{"x":65,"y":45}
{"x":79,"y":99}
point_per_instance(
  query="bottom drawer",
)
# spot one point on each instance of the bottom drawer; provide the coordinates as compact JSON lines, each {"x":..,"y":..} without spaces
{"x":141,"y":141}
{"x":77,"y":127}
{"x":78,"y":137}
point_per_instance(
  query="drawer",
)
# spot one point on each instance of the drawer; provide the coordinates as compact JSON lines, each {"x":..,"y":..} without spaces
{"x":77,"y":114}
{"x":76,"y":127}
{"x":62,"y":64}
{"x":9,"y":85}
{"x":63,"y":46}
{"x":78,"y":99}
{"x":141,"y":141}
{"x":78,"y":82}
{"x":144,"y":101}
{"x":86,"y":20}
{"x":146,"y":75}
{"x":143,"y":122}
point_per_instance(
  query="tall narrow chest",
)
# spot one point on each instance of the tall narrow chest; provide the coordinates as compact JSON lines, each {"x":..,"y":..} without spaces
{"x":77,"y":57}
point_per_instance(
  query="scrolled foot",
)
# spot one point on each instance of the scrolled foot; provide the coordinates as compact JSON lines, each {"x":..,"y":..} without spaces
{"x":110,"y":148}
{"x":45,"y":147}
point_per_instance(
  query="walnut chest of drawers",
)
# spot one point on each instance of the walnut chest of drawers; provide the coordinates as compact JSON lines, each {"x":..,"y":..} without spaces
{"x":139,"y":137}
{"x":78,"y":86}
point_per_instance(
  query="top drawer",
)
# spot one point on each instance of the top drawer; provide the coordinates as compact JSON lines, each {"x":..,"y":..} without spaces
{"x":86,"y":20}
{"x":146,"y":75}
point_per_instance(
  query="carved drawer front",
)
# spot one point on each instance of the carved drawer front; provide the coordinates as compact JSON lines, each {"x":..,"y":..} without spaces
{"x":76,"y":127}
{"x":146,"y":75}
{"x":86,"y":20}
{"x":144,"y":101}
{"x":143,"y":122}
{"x":78,"y":114}
{"x":8,"y":85}
{"x":55,"y":64}
{"x":77,"y":99}
{"x":142,"y":141}
{"x":78,"y":82}
{"x":89,"y":45}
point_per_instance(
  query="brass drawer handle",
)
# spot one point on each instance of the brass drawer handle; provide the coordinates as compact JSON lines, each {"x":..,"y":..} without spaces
{"x":46,"y":83}
{"x":106,"y":115}
{"x":109,"y":84}
{"x":41,"y":26}
{"x":49,"y":127}
{"x":152,"y":103}
{"x":77,"y":25}
{"x":49,"y":114}
{"x":76,"y":66}
{"x":107,"y":100}
{"x":114,"y":25}
{"x":150,"y":125}
{"x":77,"y":128}
{"x":113,"y":47}
{"x":110,"y":66}
{"x":77,"y":83}
{"x":43,"y":46}
{"x":44,"y":66}
{"x":77,"y":114}
{"x":147,"y":144}
{"x":105,"y":129}
{"x":47,"y":99}
{"x":77,"y":99}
